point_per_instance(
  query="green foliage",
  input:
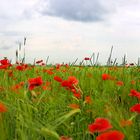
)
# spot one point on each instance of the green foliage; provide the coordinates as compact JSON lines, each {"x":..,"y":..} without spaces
{"x":43,"y":114}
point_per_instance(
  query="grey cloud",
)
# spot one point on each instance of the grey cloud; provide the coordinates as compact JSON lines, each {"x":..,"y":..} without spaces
{"x":77,"y":10}
{"x":6,"y":44}
{"x":12,"y":33}
{"x":6,"y":47}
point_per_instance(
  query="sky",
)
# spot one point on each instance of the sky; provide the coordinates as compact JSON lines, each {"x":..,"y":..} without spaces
{"x":68,"y":29}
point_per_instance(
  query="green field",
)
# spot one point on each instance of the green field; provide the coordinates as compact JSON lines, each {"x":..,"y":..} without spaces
{"x":65,"y":102}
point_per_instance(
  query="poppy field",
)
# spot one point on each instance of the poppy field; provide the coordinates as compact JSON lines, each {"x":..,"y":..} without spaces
{"x":63,"y":102}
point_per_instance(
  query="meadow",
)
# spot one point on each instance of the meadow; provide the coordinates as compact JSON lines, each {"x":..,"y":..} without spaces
{"x":62,"y":102}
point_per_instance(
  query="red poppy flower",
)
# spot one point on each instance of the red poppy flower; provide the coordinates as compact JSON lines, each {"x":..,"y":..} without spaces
{"x":77,"y":95}
{"x":135,"y":108}
{"x":4,"y":62}
{"x":20,"y":68}
{"x":120,"y":83}
{"x":133,"y":82}
{"x":58,"y":66}
{"x":39,"y":61}
{"x":46,"y":86}
{"x":111,"y":135}
{"x":33,"y":82}
{"x":50,"y":72}
{"x":67,"y":66}
{"x":105,"y":76}
{"x":100,"y":125}
{"x":134,"y":93}
{"x":73,"y":80}
{"x":65,"y":138}
{"x":58,"y":79}
{"x":88,"y":100}
{"x":4,"y":66}
{"x":10,"y":73}
{"x":3,"y":107}
{"x":43,"y":64}
{"x":21,"y":83}
{"x":124,"y":123}
{"x":66,"y":83}
{"x":74,"y":106}
{"x":87,"y":58}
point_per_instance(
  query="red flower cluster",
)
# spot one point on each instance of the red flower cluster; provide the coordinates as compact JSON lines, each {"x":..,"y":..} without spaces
{"x":33,"y":82}
{"x":100,"y":125}
{"x":17,"y":87}
{"x":135,"y":108}
{"x":134,"y":93}
{"x":69,"y":82}
{"x":111,"y":135}
{"x":21,"y":67}
{"x":48,"y":71}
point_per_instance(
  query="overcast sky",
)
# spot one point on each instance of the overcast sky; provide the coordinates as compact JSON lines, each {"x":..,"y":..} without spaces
{"x":70,"y":29}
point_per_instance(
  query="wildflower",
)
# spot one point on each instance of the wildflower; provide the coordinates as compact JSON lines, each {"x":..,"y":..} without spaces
{"x":4,"y":62}
{"x":124,"y":123}
{"x":111,"y":135}
{"x":58,"y":66}
{"x":105,"y":76}
{"x":46,"y":86}
{"x":10,"y":73}
{"x":43,"y":64}
{"x":16,"y":87}
{"x":21,"y":83}
{"x":65,"y":138}
{"x":70,"y":82}
{"x":134,"y":93}
{"x":88,"y":100}
{"x":65,"y":83}
{"x":135,"y":108}
{"x":39,"y":61}
{"x":77,"y":95}
{"x":4,"y":66}
{"x":73,"y":80}
{"x":66,"y":65}
{"x":120,"y":83}
{"x":20,"y":68}
{"x":74,"y":106}
{"x":133,"y":82}
{"x":58,"y":79}
{"x":50,"y":72}
{"x":87,"y":58}
{"x":3,"y":108}
{"x":100,"y":125}
{"x":33,"y":82}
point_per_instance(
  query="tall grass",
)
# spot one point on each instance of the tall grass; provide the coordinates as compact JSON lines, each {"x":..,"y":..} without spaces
{"x":45,"y":114}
